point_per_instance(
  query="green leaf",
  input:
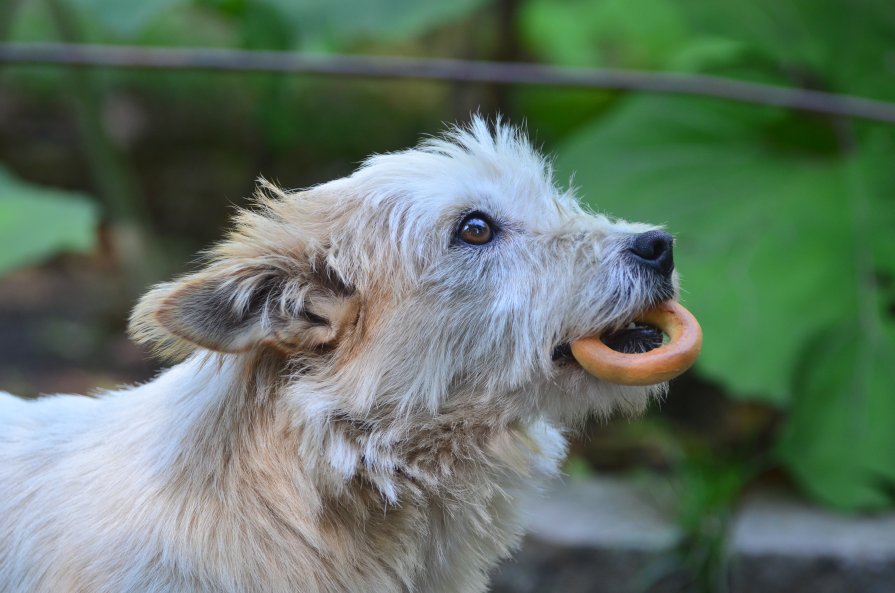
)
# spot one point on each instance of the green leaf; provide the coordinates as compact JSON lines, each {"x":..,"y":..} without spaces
{"x":37,"y":222}
{"x":124,"y":19}
{"x":784,"y":234}
{"x":629,"y":33}
{"x":760,"y":242}
{"x":838,"y":442}
{"x":828,"y":44}
{"x":338,"y":21}
{"x":834,"y":44}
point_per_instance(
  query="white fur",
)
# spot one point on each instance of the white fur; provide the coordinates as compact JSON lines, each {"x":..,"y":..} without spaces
{"x":360,"y":397}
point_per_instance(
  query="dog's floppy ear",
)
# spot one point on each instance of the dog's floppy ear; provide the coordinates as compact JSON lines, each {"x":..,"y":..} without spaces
{"x":238,"y":310}
{"x":267,"y":285}
{"x":235,"y":313}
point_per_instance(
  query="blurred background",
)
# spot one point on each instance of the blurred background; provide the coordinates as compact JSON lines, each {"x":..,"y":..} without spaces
{"x":113,"y":178}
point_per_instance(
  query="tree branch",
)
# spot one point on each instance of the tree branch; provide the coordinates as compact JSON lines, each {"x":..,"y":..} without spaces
{"x":468,"y":71}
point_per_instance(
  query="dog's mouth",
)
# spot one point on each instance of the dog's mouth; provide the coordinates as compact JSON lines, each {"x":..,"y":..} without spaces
{"x":639,"y":353}
{"x":635,"y":338}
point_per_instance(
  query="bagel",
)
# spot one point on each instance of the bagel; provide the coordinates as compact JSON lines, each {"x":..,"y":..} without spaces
{"x":648,"y":368}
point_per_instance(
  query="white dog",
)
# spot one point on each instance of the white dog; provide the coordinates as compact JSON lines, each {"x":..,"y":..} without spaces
{"x":371,"y":370}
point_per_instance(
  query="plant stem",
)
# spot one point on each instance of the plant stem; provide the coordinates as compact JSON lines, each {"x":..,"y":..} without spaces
{"x":131,"y":233}
{"x":509,"y":48}
{"x":113,"y":179}
{"x":8,"y":11}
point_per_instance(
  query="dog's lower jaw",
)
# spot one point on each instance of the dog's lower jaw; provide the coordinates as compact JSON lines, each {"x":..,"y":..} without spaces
{"x":187,"y":484}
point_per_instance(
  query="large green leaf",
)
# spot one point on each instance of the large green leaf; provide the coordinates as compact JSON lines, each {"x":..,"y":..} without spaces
{"x":835,"y":44}
{"x":36,"y":222}
{"x":831,"y":44}
{"x":629,"y":33}
{"x":761,"y":242}
{"x":839,"y":440}
{"x":783,"y":234}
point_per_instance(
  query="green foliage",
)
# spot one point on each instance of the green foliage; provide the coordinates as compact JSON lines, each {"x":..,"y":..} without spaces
{"x":576,"y":467}
{"x":709,"y":489}
{"x":765,"y":232}
{"x":307,"y":24}
{"x":633,"y":33}
{"x":839,"y":442}
{"x":704,"y":518}
{"x":334,"y":22}
{"x":36,"y":222}
{"x":124,"y":19}
{"x":833,"y":44}
{"x":780,"y":243}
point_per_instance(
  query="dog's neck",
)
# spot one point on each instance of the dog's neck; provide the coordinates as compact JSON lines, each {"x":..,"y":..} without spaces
{"x":423,"y":501}
{"x":239,"y":424}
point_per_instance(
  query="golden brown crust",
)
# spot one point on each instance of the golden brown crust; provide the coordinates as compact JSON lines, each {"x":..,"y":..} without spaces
{"x":649,"y":368}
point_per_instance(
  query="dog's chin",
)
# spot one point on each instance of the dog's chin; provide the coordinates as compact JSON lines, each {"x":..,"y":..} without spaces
{"x":573,"y":396}
{"x":583,"y":395}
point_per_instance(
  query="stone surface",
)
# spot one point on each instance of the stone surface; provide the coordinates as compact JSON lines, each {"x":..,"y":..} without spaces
{"x":783,"y":544}
{"x":609,"y":511}
{"x":545,"y":568}
{"x":773,"y":523}
{"x":592,"y":536}
{"x":616,"y":535}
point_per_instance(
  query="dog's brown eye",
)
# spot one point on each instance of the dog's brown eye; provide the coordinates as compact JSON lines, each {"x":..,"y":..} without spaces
{"x":476,"y":230}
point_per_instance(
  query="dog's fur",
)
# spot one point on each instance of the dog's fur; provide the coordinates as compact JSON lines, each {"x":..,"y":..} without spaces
{"x":361,"y":397}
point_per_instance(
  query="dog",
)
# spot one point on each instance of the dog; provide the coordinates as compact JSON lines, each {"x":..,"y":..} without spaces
{"x":367,"y":375}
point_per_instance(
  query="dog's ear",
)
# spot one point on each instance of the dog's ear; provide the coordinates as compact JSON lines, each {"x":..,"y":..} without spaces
{"x":269,"y":284}
{"x":229,"y":310}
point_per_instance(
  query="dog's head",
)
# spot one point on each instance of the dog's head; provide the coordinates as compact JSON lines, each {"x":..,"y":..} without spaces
{"x":450,"y":276}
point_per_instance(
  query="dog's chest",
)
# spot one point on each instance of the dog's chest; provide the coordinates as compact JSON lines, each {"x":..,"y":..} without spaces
{"x":456,"y":514}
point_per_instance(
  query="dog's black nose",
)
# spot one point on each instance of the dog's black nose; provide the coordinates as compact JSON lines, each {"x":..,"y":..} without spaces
{"x":654,"y":249}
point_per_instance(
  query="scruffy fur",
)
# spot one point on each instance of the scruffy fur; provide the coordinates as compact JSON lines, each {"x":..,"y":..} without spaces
{"x":360,"y":396}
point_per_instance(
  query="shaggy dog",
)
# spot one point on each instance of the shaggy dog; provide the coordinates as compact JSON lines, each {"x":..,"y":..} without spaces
{"x":370,"y":372}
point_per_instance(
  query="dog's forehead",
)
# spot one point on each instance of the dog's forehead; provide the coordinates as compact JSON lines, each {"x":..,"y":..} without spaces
{"x":497,"y":172}
{"x":523,"y":198}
